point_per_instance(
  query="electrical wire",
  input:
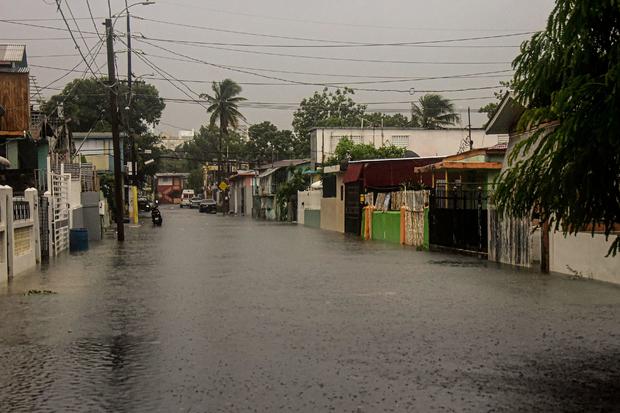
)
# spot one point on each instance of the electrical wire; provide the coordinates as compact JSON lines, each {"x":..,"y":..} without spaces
{"x":334,"y":43}
{"x":90,"y":12}
{"x":77,"y":46}
{"x":311,"y":57}
{"x":309,"y":83}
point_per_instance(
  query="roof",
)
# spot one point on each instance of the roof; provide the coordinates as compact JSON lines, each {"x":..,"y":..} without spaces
{"x":396,"y":159}
{"x":386,"y":173}
{"x":284,"y":162}
{"x":386,"y":128}
{"x":12,"y":53}
{"x":173,"y":174}
{"x":460,"y":165}
{"x":13,"y":58}
{"x":268,"y":172}
{"x":94,"y":135}
{"x":240,"y":174}
{"x":505,"y":117}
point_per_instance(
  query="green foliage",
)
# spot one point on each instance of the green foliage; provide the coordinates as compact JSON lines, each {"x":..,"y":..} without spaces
{"x":267,"y":143}
{"x":86,"y":102}
{"x":377,"y":120}
{"x":196,"y":180}
{"x":347,"y":149}
{"x":224,"y":104}
{"x":489,"y":109}
{"x":326,"y":109}
{"x":570,"y":74}
{"x":434,"y":112}
{"x":152,"y":143}
{"x":288,"y":190}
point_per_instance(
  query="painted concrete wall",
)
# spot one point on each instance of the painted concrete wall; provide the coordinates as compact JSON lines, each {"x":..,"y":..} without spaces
{"x":312,"y":218}
{"x":332,"y":214}
{"x":424,"y":142}
{"x":584,"y":256}
{"x":307,"y":200}
{"x":386,"y":226}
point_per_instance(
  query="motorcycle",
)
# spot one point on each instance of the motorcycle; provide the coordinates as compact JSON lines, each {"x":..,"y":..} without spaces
{"x":156,"y":216}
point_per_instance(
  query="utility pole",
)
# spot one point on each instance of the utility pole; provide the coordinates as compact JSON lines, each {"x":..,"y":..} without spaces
{"x":471,"y":142}
{"x":129,"y":84}
{"x":113,"y":93}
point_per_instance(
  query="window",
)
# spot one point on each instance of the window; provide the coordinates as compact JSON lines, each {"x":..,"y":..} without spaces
{"x":401,"y":141}
{"x":329,"y":186}
{"x":164,"y":180}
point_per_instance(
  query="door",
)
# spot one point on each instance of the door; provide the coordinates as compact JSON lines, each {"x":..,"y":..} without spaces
{"x":353,"y":208}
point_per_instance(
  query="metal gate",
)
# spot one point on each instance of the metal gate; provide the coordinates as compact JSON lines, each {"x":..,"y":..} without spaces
{"x":458,"y":220}
{"x":352,"y":208}
{"x":59,"y":221}
{"x":44,"y":226}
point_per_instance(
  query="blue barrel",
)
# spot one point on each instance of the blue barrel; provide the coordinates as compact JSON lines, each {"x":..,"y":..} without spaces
{"x":78,"y":239}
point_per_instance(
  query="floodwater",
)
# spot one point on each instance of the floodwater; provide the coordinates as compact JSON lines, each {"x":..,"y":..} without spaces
{"x":227,"y":314}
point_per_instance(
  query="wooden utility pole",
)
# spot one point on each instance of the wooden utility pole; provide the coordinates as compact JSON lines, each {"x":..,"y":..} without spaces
{"x":471,"y":142}
{"x":113,"y":93}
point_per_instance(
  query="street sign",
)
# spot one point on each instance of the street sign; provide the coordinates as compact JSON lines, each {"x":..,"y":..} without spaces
{"x":223,"y":186}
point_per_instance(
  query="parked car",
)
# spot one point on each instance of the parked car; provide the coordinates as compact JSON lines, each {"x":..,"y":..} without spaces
{"x":209,"y":206}
{"x":186,"y":198}
{"x":144,"y":205}
{"x":195,"y":202}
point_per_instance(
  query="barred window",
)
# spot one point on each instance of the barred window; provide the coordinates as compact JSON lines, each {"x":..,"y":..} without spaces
{"x":402,"y":141}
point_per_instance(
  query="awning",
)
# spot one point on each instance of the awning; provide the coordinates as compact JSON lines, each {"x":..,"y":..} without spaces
{"x":353,"y":173}
{"x":268,"y":172}
{"x":455,"y":165}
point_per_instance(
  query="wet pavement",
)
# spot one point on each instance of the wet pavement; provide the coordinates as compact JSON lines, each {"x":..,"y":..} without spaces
{"x":226,"y":314}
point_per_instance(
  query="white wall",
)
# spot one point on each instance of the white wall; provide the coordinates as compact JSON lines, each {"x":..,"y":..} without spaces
{"x":424,"y":142}
{"x":583,"y":255}
{"x":307,"y":200}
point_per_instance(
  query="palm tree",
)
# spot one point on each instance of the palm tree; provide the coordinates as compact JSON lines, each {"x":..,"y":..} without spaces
{"x":223,"y":107}
{"x":434,"y":112}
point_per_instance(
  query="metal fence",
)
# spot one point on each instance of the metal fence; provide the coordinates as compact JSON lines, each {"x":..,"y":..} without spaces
{"x":458,"y":220}
{"x":44,"y":226}
{"x":21,"y":209}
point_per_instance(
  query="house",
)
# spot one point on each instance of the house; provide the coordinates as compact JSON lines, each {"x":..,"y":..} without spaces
{"x":169,"y":186}
{"x":459,"y":198}
{"x":241,"y":192}
{"x":417,"y":141}
{"x":470,"y":170}
{"x":332,"y":200}
{"x":19,"y":151}
{"x":97,"y":148}
{"x":377,"y":176}
{"x":270,"y":177}
{"x":520,"y":241}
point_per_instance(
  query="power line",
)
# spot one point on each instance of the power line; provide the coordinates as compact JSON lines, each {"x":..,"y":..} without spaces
{"x":477,"y":75}
{"x":311,"y":83}
{"x":334,"y":43}
{"x":341,"y":59}
{"x":77,"y":46}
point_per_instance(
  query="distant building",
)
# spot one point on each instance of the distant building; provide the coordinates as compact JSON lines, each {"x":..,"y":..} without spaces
{"x":97,"y":148}
{"x":417,"y":141}
{"x":169,"y":186}
{"x":182,"y":137}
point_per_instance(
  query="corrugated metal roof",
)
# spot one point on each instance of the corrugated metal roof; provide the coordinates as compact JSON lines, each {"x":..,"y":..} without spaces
{"x":12,"y":52}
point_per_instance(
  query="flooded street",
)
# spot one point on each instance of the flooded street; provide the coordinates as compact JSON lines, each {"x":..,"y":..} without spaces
{"x":212,"y":313}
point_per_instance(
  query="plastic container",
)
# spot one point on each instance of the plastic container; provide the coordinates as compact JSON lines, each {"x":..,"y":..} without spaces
{"x":78,"y":239}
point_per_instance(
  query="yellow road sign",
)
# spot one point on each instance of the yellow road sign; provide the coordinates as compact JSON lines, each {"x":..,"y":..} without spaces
{"x":223,"y":186}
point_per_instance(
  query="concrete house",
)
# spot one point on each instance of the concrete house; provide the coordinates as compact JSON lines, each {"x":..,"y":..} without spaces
{"x":417,"y":141}
{"x":169,"y":186}
{"x":270,"y":177}
{"x":241,"y":192}
{"x":97,"y":149}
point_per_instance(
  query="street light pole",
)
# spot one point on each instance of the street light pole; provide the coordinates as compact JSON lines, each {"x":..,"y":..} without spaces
{"x":113,"y":94}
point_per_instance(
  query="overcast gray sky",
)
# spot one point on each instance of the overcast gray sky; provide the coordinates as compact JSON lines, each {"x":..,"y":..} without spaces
{"x":325,"y":22}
